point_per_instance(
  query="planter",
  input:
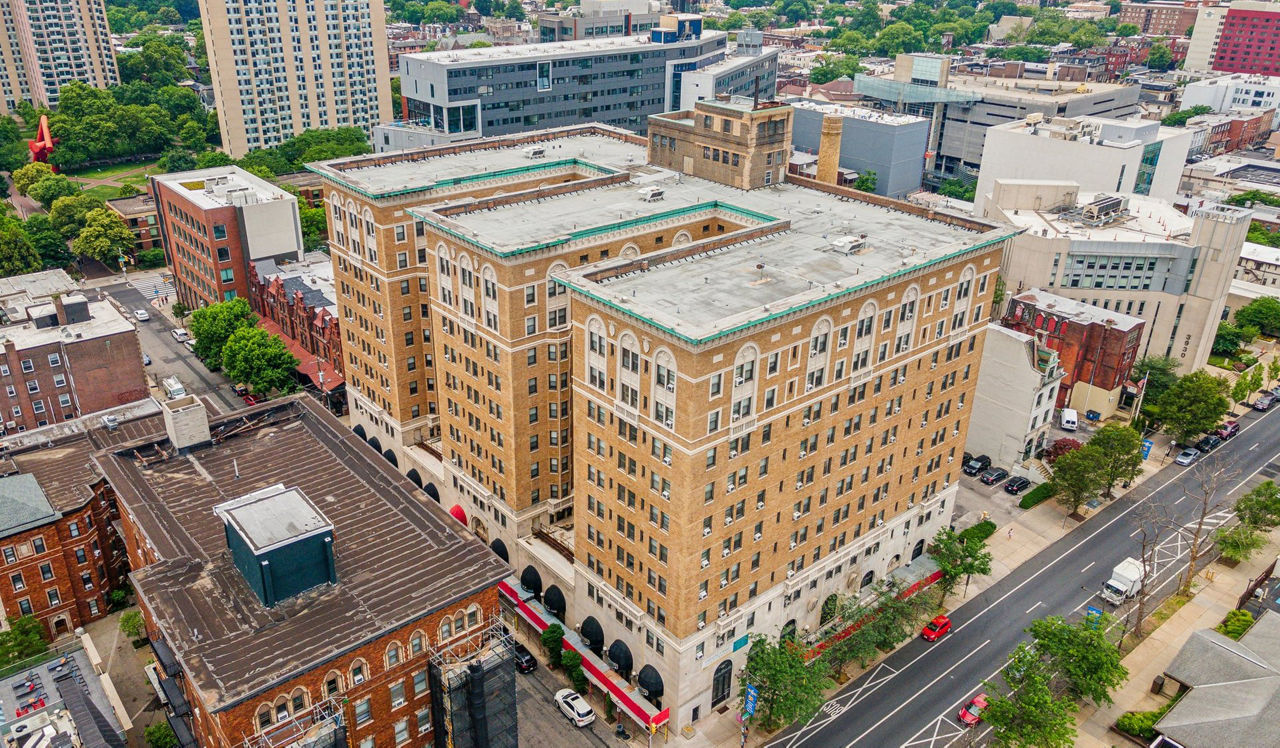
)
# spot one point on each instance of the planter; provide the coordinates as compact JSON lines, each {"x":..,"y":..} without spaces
{"x":1131,"y":739}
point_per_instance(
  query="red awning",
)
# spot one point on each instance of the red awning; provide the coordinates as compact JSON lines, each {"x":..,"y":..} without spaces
{"x":623,"y":693}
{"x":311,"y":365}
{"x":458,"y":513}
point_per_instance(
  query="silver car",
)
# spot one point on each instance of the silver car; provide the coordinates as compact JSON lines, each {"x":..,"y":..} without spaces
{"x":1187,"y":456}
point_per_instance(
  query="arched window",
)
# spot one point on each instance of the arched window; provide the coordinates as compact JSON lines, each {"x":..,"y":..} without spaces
{"x":359,"y":672}
{"x":416,"y":644}
{"x":332,"y":684}
{"x":282,"y":708}
{"x":459,"y":622}
{"x":446,"y":629}
{"x":393,"y":655}
{"x":473,"y":615}
{"x":299,"y":700}
{"x":264,"y":716}
{"x":744,"y":365}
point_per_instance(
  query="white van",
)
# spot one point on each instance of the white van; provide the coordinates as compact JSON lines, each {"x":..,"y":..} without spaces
{"x":173,"y":388}
{"x":1070,"y":419}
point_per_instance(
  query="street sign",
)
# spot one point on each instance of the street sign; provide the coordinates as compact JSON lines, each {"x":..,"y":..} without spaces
{"x":1093,"y":615}
{"x":1147,"y":444}
{"x":749,"y":703}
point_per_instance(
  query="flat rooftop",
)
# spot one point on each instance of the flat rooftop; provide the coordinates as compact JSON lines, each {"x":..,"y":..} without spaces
{"x":1078,"y":311}
{"x":399,"y":555}
{"x":1148,"y":220}
{"x":1260,"y":253}
{"x":103,"y":320}
{"x":548,"y":50}
{"x":43,"y":284}
{"x":223,"y":186}
{"x":853,"y":112}
{"x":1030,"y":90}
{"x":59,"y":693}
{"x":133,"y":205}
{"x":423,"y":170}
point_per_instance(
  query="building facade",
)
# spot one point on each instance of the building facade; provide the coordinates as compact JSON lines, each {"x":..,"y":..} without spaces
{"x":1259,"y":264}
{"x":297,"y":301}
{"x":1237,"y":91}
{"x":1237,"y":38}
{"x":1161,"y":18}
{"x":1014,"y":401}
{"x":214,"y":222}
{"x":1237,"y":129}
{"x":50,"y":44}
{"x":1126,"y":254}
{"x":594,"y":19}
{"x":139,"y":214}
{"x":1133,"y":156}
{"x":891,"y":145}
{"x":1096,"y":347}
{"x":278,"y":72}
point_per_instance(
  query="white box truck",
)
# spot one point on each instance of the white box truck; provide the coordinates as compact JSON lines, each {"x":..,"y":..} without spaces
{"x":1125,"y":582}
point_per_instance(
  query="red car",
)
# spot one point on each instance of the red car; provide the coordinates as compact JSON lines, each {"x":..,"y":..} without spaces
{"x":971,"y":714}
{"x":933,"y":630}
{"x":253,"y":399}
{"x":1228,"y":430}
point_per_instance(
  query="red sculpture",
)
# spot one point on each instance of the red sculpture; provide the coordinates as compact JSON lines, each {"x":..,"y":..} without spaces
{"x":42,"y":146}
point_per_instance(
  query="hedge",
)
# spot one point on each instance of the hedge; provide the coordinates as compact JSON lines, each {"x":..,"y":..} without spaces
{"x":979,"y":532}
{"x":1142,"y":724}
{"x":1036,"y":495}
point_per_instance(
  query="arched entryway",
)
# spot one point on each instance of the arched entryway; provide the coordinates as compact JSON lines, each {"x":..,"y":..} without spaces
{"x":391,"y":458}
{"x":500,"y":548}
{"x":593,"y":634}
{"x":829,"y":608}
{"x":414,"y":476}
{"x":531,"y":580}
{"x":60,"y":627}
{"x":360,"y":432}
{"x":721,"y":682}
{"x":788,"y":631}
{"x":479,"y":529}
{"x":867,"y":579}
{"x":620,"y":656}
{"x":377,"y":445}
{"x":432,"y":491}
{"x":918,"y":550}
{"x":650,"y":682}
{"x":553,"y":601}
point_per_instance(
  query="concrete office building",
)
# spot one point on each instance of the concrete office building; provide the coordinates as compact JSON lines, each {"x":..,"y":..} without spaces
{"x":891,"y":145}
{"x":1127,"y":253}
{"x":617,"y":81}
{"x":281,"y":70}
{"x":1101,"y":155}
{"x":1237,"y":91}
{"x":214,"y":222}
{"x":962,"y":107}
{"x":523,"y":334}
{"x":594,"y":19}
{"x":1243,"y":37}
{"x":47,"y":45}
{"x":1014,"y":402}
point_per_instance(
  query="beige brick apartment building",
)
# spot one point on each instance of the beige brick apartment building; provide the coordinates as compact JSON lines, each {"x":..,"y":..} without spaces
{"x":685,"y":411}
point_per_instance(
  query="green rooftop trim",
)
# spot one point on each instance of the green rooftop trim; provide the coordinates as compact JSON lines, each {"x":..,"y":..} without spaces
{"x":468,"y":179}
{"x":586,"y":233}
{"x":790,"y":310}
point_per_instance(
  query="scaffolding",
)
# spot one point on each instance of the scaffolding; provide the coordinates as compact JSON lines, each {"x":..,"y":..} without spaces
{"x":473,"y":689}
{"x":321,"y":726}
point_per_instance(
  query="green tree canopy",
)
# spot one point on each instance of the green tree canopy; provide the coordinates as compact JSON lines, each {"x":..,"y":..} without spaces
{"x":1178,"y":119}
{"x":1263,"y":314}
{"x":105,"y":237}
{"x":157,"y":63}
{"x":213,"y":325}
{"x":898,"y":38}
{"x":68,"y":214}
{"x":49,"y":189}
{"x":833,"y":67}
{"x":47,"y":242}
{"x":1028,"y":713}
{"x":957,"y":559}
{"x":866,"y":181}
{"x":1080,"y":655}
{"x":1231,"y":338}
{"x":25,"y":638}
{"x":26,"y":176}
{"x":1161,"y":373}
{"x":1120,"y":452}
{"x":1127,"y":30}
{"x":1260,"y":506}
{"x":1160,"y":58}
{"x":1193,"y":405}
{"x":314,"y":226}
{"x":17,"y":256}
{"x":790,"y":689}
{"x":1077,"y":478}
{"x":259,"y":359}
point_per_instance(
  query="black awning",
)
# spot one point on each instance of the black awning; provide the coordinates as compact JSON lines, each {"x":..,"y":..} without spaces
{"x":593,"y":634}
{"x":650,"y":681}
{"x":620,"y":655}
{"x":553,"y":599}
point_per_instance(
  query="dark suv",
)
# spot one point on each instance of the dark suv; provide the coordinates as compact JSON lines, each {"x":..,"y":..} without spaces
{"x":977,"y":465}
{"x":525,"y":661}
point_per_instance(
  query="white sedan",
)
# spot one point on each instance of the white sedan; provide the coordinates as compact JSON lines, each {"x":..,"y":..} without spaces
{"x":141,"y":315}
{"x":575,"y":707}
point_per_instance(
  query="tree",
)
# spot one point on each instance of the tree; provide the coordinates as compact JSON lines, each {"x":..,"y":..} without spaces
{"x":1241,"y":390}
{"x":865,"y":182}
{"x":314,"y":226}
{"x":552,"y":638}
{"x":1160,"y":58}
{"x":1080,"y":655}
{"x":1127,"y":30}
{"x":790,"y":689}
{"x":210,"y":159}
{"x":176,"y":159}
{"x":259,"y":359}
{"x":1059,"y":447}
{"x":192,"y":135}
{"x":1179,"y":119}
{"x":1209,"y":476}
{"x":69,"y":214}
{"x":1255,"y":377}
{"x":1235,"y":624}
{"x":1230,"y":339}
{"x":131,"y":624}
{"x":957,"y":559}
{"x":898,"y":38}
{"x":1076,"y":477}
{"x":1260,"y":507}
{"x":1120,"y":449}
{"x":17,"y":256}
{"x":957,"y":189}
{"x":1262,"y":313}
{"x":47,"y":242}
{"x":514,"y":10}
{"x":25,"y":638}
{"x":1194,"y":404}
{"x":1273,"y":370}
{"x":213,"y":325}
{"x":28,"y":175}
{"x":160,"y":735}
{"x":1239,"y":542}
{"x":833,"y":67}
{"x":1161,"y":372}
{"x":571,"y":661}
{"x":1028,"y":713}
{"x":105,"y":237}
{"x":51,"y":188}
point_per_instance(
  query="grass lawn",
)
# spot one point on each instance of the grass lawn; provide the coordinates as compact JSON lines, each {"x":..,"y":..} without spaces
{"x":106,"y":172}
{"x":103,"y":192}
{"x":137,"y":180}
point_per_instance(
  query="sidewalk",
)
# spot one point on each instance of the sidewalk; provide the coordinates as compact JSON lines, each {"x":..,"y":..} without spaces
{"x":1218,"y":589}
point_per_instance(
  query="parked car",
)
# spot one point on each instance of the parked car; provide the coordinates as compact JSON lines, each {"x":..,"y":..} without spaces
{"x":181,"y":335}
{"x":1228,"y":429}
{"x":971,"y":713}
{"x":1275,"y":391}
{"x":575,"y":707}
{"x":993,"y":476}
{"x":1264,"y":402}
{"x":240,"y":389}
{"x":146,"y":360}
{"x":141,"y":315}
{"x":1016,"y":485}
{"x":1209,"y":443}
{"x":975,"y":465}
{"x":253,"y":399}
{"x":190,"y":344}
{"x":1187,"y":456}
{"x":935,"y":629}
{"x":525,"y":661}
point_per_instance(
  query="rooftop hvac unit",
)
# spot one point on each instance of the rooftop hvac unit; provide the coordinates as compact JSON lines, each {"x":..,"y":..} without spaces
{"x":535,"y":151}
{"x":652,"y":193}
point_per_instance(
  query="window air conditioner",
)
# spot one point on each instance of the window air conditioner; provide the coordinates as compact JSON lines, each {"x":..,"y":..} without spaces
{"x":733,"y":453}
{"x":757,"y":536}
{"x":808,"y":387}
{"x":706,"y":531}
{"x":795,"y":515}
{"x":792,"y":545}
{"x":666,"y":494}
{"x":730,"y":489}
{"x":791,"y":573}
{"x":737,"y":380}
{"x":666,"y":460}
{"x":724,"y":583}
{"x":702,"y":595}
{"x":728,"y":521}
{"x":724,"y":553}
{"x":807,"y":422}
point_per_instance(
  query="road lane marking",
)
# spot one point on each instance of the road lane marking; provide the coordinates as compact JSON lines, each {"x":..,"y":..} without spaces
{"x":1033,"y":607}
{"x":1091,"y":563}
{"x":1255,"y":446}
{"x":926,"y":687}
{"x":1135,"y":532}
{"x":1179,"y":501}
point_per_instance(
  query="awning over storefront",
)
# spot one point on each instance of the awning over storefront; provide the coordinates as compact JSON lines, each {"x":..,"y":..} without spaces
{"x":623,"y":693}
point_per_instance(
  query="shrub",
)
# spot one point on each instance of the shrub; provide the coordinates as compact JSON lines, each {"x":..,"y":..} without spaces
{"x":1142,"y":724}
{"x":1036,"y":495}
{"x":553,"y":641}
{"x":160,"y":735}
{"x":1235,"y":624}
{"x":1059,"y":448}
{"x":150,"y":258}
{"x":978,"y":532}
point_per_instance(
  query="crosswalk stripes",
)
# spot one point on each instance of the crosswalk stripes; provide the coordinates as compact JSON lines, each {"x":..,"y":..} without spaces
{"x":153,"y":286}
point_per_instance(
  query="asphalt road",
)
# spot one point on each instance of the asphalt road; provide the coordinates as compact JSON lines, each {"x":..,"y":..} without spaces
{"x":912,"y":697}
{"x":541,"y":720}
{"x":169,"y":357}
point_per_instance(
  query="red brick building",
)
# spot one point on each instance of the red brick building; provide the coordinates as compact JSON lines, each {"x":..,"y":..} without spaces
{"x":214,"y":222}
{"x":1160,"y":18}
{"x":139,"y":214}
{"x":1096,"y":347}
{"x":68,"y":357}
{"x":1249,"y":42}
{"x":330,"y":595}
{"x":1238,"y":129}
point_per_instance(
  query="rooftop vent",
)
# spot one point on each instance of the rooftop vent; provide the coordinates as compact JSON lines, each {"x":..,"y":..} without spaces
{"x":186,"y":422}
{"x":652,"y":193}
{"x":280,"y":542}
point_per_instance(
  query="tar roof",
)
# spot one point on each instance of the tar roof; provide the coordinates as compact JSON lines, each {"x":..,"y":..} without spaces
{"x":543,"y":51}
{"x":399,"y":556}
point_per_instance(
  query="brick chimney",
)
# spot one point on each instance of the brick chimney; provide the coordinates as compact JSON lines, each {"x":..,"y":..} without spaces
{"x":829,"y":148}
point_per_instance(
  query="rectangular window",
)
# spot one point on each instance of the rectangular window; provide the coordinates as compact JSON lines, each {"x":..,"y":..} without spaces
{"x":397,"y":695}
{"x":363,"y":712}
